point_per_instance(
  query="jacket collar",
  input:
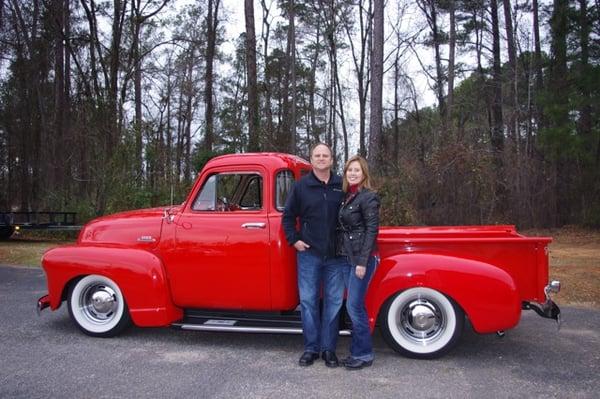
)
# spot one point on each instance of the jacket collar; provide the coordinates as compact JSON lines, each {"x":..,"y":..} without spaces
{"x":351,"y":197}
{"x":333,"y":180}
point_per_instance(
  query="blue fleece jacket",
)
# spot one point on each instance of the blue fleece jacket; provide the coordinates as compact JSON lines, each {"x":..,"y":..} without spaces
{"x":316,"y":205}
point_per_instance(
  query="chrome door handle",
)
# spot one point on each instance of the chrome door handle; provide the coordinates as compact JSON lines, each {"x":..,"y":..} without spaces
{"x":254,"y":225}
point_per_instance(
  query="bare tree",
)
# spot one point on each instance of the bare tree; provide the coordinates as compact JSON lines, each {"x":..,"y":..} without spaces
{"x":451,"y":59}
{"x":429,"y":8}
{"x":360,"y":59}
{"x":497,"y":133}
{"x":376,"y":116}
{"x":512,"y":72}
{"x":253,"y":115}
{"x":212,"y":22}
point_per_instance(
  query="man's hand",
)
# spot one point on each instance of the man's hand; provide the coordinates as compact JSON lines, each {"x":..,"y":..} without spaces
{"x":360,"y":271}
{"x":301,"y":246}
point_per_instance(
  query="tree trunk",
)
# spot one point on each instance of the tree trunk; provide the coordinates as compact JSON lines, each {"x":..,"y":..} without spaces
{"x":585,"y":111}
{"x":57,"y":142}
{"x":359,"y":57}
{"x":253,"y":115}
{"x":559,"y":83}
{"x":376,"y":117}
{"x":136,"y":27}
{"x":270,"y":136}
{"x":497,"y":133}
{"x":451,"y":61}
{"x":292,"y":71}
{"x":512,"y":74}
{"x":313,"y":130}
{"x":212,"y":21}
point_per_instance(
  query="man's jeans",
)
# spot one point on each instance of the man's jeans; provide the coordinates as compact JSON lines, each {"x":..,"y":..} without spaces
{"x":361,"y":347}
{"x":320,"y":331}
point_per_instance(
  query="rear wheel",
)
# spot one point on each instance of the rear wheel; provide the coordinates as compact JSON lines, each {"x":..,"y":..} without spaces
{"x":421,"y":323}
{"x":98,"y":307}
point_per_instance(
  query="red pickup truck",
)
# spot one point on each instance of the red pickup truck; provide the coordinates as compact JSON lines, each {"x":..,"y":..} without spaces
{"x":220,"y":262}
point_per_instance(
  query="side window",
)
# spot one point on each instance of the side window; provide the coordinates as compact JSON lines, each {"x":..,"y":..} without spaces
{"x":226,"y":192}
{"x":252,"y":197}
{"x":283,"y":185}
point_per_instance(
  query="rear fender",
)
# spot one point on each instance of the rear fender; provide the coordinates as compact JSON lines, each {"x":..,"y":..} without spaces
{"x":139,"y":274}
{"x":486,"y":293}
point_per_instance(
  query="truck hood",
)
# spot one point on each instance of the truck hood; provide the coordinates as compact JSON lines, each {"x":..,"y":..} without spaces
{"x":139,"y":228}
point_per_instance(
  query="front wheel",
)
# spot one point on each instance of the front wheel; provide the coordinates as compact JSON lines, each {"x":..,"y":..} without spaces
{"x":98,"y":307}
{"x":421,"y":323}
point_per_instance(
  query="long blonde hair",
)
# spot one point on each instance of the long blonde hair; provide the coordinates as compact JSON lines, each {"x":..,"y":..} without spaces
{"x":366,"y":182}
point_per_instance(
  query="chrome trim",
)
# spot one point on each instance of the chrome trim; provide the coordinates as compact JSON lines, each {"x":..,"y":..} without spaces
{"x":146,"y":239}
{"x":249,"y":329}
{"x":552,"y":287}
{"x":422,"y":320}
{"x":168,"y":215}
{"x":254,"y":225}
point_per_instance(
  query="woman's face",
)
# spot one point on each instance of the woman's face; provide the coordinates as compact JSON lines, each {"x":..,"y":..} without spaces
{"x":354,"y":173}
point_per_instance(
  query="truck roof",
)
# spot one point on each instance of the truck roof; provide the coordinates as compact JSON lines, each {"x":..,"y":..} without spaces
{"x":273,"y":160}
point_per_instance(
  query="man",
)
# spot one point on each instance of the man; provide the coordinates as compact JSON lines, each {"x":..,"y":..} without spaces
{"x":315,"y":200}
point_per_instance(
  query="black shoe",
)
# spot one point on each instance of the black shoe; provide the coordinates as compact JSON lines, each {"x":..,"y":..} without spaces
{"x":308,"y":358}
{"x":330,"y":358}
{"x":345,"y":360}
{"x":356,"y":364}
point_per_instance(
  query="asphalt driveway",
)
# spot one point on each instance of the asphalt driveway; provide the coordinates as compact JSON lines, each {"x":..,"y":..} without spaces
{"x":49,"y":357}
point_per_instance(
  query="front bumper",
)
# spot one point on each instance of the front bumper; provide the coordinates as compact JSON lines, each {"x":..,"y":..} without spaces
{"x":548,"y":309}
{"x":42,"y":303}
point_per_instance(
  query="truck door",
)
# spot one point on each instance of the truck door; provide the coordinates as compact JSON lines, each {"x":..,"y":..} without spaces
{"x":221,"y":258}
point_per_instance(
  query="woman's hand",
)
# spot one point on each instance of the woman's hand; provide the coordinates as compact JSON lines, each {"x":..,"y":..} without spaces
{"x":360,"y":271}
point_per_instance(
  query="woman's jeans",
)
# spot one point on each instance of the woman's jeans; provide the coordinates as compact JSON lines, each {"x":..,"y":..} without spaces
{"x":361,"y":346}
{"x":320,"y":329}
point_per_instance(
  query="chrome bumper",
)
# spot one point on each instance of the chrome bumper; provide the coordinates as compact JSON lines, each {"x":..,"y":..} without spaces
{"x":548,"y":309}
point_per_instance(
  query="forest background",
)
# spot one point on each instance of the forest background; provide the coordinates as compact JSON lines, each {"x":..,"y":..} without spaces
{"x":113,"y":105}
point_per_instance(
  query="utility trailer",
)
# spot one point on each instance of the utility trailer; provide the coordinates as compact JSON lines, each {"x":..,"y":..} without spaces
{"x":15,"y":221}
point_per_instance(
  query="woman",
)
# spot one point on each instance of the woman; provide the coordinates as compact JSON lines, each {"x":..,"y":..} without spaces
{"x":358,"y":225}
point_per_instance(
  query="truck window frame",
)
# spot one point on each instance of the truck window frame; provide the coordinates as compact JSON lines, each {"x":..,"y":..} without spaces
{"x":236,"y":196}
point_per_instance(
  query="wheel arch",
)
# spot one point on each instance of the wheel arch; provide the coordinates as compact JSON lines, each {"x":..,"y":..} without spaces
{"x":487,"y":294}
{"x":139,"y":274}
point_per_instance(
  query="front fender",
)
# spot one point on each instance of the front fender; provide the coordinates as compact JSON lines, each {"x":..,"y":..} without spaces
{"x":139,"y":274}
{"x":486,"y":293}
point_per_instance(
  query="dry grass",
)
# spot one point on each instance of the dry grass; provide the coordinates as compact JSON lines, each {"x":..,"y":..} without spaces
{"x":574,"y":260}
{"x":24,"y":250}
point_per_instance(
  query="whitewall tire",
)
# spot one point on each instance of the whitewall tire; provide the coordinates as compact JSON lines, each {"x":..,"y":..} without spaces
{"x":421,"y":323}
{"x":96,"y":304}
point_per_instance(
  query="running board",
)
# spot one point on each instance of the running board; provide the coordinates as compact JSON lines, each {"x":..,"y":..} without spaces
{"x":246,"y":329}
{"x":270,"y":323}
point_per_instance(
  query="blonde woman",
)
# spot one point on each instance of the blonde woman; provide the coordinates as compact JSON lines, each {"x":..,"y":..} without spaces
{"x":358,"y":225}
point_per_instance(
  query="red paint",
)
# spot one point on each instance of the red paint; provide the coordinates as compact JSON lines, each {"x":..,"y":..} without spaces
{"x":167,"y":260}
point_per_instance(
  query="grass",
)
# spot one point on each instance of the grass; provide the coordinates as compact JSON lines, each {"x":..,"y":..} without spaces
{"x":574,"y":259}
{"x":26,"y":249}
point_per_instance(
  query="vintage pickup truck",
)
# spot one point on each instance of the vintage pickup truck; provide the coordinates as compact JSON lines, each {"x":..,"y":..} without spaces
{"x":220,"y":262}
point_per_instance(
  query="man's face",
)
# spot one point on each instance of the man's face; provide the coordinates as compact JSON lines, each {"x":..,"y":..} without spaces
{"x":321,"y":158}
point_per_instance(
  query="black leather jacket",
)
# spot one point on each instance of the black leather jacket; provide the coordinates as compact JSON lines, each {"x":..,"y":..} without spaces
{"x":358,"y":226}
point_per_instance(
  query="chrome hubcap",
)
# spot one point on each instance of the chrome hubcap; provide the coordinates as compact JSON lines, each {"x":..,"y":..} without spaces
{"x":99,"y":303}
{"x":421,"y":320}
